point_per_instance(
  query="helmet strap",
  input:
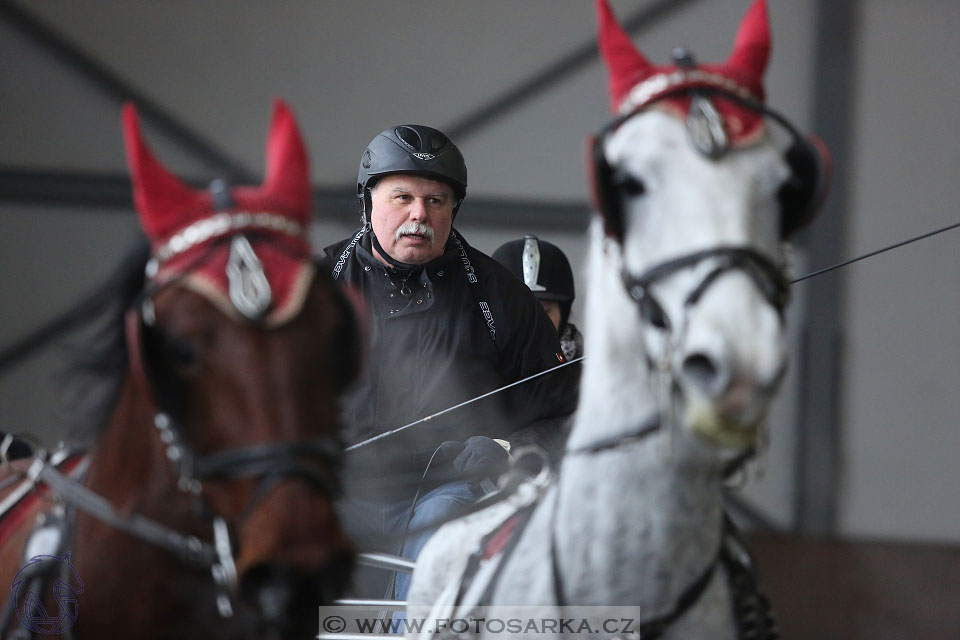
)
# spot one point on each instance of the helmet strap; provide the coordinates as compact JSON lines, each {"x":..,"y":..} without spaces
{"x":405,"y":268}
{"x":565,"y":308}
{"x":366,"y":206}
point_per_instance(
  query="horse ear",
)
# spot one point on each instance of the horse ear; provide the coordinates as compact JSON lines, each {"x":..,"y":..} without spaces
{"x":626,"y":66}
{"x":161,"y":198}
{"x":751,"y":48}
{"x":287,"y":180}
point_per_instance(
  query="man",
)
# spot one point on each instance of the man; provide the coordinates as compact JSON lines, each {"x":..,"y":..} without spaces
{"x":544,"y":268}
{"x":448,"y":324}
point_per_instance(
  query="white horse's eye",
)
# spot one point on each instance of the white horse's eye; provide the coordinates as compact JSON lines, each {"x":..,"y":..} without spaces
{"x":628,"y":184}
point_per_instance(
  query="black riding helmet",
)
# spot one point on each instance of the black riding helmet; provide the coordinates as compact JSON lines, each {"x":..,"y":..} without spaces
{"x":411,"y":148}
{"x":543,"y":267}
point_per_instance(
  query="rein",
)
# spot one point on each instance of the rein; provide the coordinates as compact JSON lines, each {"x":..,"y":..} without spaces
{"x":188,"y":549}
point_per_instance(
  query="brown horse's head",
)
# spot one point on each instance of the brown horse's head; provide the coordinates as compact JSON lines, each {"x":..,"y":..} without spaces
{"x":247,"y":401}
{"x":241,"y":349}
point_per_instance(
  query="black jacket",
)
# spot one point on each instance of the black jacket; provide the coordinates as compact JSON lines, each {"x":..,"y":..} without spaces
{"x":446,"y":332}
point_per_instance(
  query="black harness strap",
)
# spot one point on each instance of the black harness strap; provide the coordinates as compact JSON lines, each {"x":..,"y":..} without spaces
{"x":751,"y":608}
{"x":646,"y":428}
{"x":275,"y":459}
{"x":653,"y":627}
{"x":767,"y":277}
{"x":523,"y":517}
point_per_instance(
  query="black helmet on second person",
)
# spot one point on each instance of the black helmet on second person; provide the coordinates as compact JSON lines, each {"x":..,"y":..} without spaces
{"x":412,"y":148}
{"x":543,"y":267}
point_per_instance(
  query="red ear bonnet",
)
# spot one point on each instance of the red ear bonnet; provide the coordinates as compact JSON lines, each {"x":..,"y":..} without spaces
{"x":195,"y":236}
{"x":286,"y":187}
{"x":164,"y":203}
{"x":634,"y":82}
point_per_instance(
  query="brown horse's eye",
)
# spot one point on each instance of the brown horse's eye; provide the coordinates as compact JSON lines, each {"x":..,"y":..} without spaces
{"x":181,"y":355}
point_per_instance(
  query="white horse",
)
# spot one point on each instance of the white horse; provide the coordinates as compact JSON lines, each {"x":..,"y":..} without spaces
{"x":685,"y":348}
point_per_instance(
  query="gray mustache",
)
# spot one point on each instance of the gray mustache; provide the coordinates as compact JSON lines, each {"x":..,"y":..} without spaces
{"x":413,"y":228}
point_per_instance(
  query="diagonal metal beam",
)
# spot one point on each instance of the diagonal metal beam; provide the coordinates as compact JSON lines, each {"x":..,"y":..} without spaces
{"x":556,"y":72}
{"x":111,"y":84}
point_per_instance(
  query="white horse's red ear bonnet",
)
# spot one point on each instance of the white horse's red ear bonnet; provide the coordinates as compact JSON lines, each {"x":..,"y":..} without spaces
{"x":635,"y":82}
{"x":722,"y":104}
{"x":245,"y":248}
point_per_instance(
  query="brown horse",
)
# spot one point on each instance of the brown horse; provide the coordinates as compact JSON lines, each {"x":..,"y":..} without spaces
{"x":204,"y":507}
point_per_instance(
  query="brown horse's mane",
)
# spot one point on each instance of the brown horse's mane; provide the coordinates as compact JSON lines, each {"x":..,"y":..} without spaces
{"x":97,"y":358}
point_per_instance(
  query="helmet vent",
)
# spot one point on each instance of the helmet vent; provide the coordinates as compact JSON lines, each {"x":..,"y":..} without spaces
{"x":367,"y":159}
{"x":409,"y":137}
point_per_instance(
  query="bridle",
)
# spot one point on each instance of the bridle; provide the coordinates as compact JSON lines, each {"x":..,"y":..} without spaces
{"x":314,"y":460}
{"x":768,"y":277}
{"x":799,"y":198}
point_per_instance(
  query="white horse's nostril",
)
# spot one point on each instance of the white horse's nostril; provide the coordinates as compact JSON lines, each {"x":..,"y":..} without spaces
{"x":703,"y":372}
{"x":739,"y":401}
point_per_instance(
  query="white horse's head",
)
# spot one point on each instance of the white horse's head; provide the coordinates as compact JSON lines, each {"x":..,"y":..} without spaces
{"x":696,"y":198}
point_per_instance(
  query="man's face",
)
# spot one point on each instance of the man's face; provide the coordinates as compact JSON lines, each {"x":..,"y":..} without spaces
{"x":412,"y":216}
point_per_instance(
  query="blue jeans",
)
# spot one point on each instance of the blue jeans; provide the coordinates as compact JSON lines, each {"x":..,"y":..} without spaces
{"x":367,"y":521}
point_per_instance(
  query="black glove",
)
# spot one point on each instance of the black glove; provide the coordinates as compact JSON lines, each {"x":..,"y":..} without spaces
{"x":481,"y":457}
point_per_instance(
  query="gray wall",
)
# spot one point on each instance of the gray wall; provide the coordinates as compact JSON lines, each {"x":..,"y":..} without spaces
{"x":901,"y":400}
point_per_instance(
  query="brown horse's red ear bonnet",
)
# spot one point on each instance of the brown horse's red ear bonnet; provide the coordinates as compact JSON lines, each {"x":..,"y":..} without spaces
{"x":245,"y":248}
